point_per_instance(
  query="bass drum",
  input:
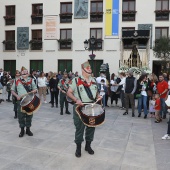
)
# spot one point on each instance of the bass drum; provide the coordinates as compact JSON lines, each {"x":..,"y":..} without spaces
{"x":30,"y":103}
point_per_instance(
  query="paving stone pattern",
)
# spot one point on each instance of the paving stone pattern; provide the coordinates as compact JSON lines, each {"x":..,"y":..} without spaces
{"x":121,"y":143}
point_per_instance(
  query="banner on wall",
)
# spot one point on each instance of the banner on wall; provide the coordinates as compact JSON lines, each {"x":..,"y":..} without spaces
{"x":112,"y":18}
{"x":50,"y":27}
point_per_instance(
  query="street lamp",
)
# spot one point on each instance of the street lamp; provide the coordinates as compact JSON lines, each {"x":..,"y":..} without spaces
{"x":92,"y":42}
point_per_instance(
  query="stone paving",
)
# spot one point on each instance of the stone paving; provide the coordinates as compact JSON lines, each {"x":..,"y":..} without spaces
{"x":121,"y":143}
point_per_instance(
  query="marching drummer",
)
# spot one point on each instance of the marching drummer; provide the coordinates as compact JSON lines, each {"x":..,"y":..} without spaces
{"x":20,"y":88}
{"x":63,"y":87}
{"x":79,"y":95}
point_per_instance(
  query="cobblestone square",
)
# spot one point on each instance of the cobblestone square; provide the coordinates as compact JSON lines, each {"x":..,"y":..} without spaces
{"x":121,"y":143}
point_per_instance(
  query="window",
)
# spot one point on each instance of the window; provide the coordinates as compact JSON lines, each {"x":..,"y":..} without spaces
{"x":96,"y":14}
{"x":10,"y":65}
{"x":10,"y":15}
{"x":128,"y":13}
{"x":161,"y":32}
{"x":37,"y":13}
{"x":36,"y":42}
{"x":64,"y":65}
{"x":66,"y":13}
{"x":65,"y":38}
{"x":127,"y":44}
{"x":162,"y":10}
{"x":96,"y":33}
{"x":9,"y":40}
{"x":36,"y":65}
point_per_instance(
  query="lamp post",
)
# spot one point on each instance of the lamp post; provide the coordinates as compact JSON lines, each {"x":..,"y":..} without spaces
{"x":90,"y":42}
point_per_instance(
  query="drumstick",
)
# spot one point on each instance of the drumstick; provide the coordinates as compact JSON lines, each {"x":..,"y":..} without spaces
{"x":26,"y":94}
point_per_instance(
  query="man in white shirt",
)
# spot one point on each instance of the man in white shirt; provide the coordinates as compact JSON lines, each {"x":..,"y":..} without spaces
{"x":1,"y":73}
{"x":102,"y":76}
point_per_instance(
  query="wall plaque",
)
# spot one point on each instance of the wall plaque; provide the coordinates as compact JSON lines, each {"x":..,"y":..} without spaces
{"x":22,"y":38}
{"x":81,"y":9}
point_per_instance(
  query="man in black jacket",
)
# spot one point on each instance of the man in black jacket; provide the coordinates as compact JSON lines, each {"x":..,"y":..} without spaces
{"x":4,"y":80}
{"x":34,"y":76}
{"x":130,"y":88}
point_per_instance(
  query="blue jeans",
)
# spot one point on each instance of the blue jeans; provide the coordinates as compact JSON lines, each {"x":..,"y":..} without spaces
{"x":142,"y":100}
{"x":163,"y":107}
{"x":104,"y":101}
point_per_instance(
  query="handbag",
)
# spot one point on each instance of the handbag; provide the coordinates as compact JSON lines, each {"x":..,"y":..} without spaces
{"x":1,"y":87}
{"x":138,"y":96}
{"x":149,"y":93}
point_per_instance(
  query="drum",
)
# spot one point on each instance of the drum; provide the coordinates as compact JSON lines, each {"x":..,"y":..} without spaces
{"x":30,"y":103}
{"x":92,"y":115}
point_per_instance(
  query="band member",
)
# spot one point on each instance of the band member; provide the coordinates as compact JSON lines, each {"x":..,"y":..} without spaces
{"x":22,"y":86}
{"x":63,"y":87}
{"x":14,"y":99}
{"x":77,"y":92}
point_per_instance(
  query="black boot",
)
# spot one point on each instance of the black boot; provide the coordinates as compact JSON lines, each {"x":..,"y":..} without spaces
{"x":52,"y":105}
{"x":88,"y":148}
{"x":15,"y":117}
{"x":78,"y":150}
{"x":61,"y":112}
{"x":139,"y":115}
{"x":56,"y":105}
{"x":126,"y":113}
{"x":133,"y":115}
{"x":22,"y":132}
{"x":67,"y":112}
{"x":28,"y":132}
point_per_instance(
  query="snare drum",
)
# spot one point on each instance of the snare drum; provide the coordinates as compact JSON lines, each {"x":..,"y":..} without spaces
{"x":30,"y":103}
{"x":91,"y":115}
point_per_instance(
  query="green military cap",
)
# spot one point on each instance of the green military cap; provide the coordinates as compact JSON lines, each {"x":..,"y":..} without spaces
{"x":23,"y":68}
{"x":85,"y":65}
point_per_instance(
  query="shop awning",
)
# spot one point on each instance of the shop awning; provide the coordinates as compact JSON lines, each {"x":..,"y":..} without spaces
{"x":136,"y":34}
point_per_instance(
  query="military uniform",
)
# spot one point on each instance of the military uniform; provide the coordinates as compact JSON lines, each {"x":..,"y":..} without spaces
{"x":63,"y":84}
{"x":23,"y":119}
{"x":80,"y":127}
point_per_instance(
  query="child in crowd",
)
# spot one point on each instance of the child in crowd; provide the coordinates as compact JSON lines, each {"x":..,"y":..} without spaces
{"x":103,"y":91}
{"x":152,"y":106}
{"x":157,"y":108}
{"x":8,"y":89}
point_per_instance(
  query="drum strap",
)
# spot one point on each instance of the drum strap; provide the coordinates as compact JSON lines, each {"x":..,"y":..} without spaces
{"x":88,"y":91}
{"x":78,"y":90}
{"x":27,"y":88}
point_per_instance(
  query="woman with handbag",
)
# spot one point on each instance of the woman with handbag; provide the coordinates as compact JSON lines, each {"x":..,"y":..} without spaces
{"x":53,"y":83}
{"x":141,"y":94}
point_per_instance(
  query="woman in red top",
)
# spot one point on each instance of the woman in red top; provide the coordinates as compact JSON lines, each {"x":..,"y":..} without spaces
{"x":157,"y":108}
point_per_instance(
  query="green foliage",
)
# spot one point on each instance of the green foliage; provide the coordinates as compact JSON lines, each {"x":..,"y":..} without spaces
{"x":162,"y":48}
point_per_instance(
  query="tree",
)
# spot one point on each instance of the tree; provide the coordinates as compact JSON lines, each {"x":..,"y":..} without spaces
{"x":162,"y":48}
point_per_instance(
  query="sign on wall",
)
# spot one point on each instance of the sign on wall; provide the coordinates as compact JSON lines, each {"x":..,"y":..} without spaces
{"x":112,"y":18}
{"x":81,"y":9}
{"x":22,"y":38}
{"x":50,"y":27}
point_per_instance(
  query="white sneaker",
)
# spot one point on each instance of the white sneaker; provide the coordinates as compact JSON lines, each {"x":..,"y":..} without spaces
{"x":166,"y":137}
{"x":45,"y":101}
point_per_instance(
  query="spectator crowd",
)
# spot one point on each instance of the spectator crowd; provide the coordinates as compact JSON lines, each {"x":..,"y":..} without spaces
{"x":149,"y":91}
